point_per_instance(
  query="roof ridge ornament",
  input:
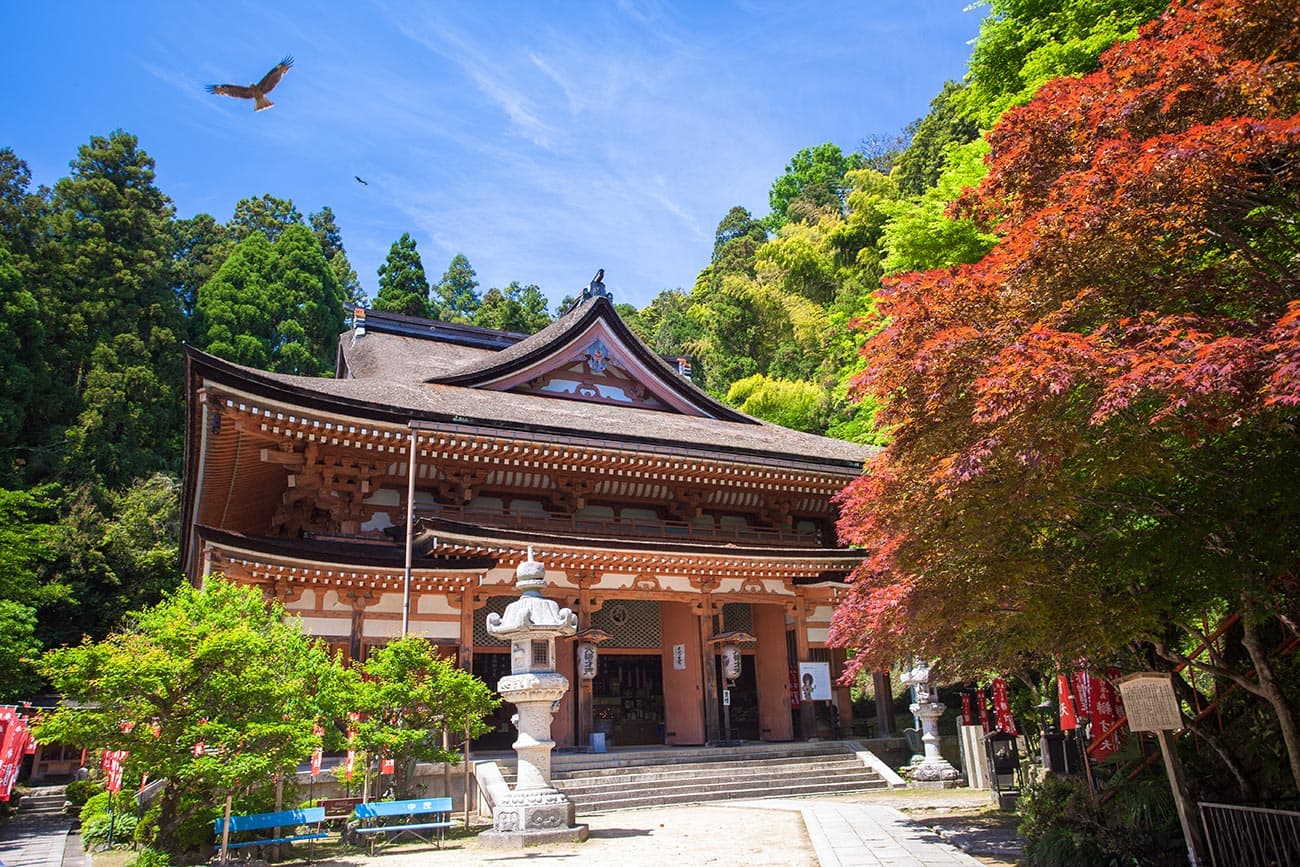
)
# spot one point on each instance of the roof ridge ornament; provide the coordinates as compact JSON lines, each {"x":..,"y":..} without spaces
{"x":596,"y":288}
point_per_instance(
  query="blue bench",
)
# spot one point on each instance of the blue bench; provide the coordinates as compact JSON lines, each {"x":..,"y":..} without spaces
{"x":425,"y":819}
{"x":286,"y":820}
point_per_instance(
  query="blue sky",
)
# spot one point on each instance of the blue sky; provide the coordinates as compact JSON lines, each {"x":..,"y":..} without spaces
{"x":542,"y":140}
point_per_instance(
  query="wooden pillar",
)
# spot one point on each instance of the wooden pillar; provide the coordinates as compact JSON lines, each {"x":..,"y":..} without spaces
{"x":683,"y":687}
{"x":807,"y":710}
{"x":843,"y":694}
{"x":465,"y":655}
{"x":709,"y":672}
{"x":585,"y":722}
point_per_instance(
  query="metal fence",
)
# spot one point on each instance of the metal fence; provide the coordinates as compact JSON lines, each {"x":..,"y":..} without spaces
{"x":1251,"y":836}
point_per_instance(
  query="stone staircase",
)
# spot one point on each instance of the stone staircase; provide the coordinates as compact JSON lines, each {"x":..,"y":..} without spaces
{"x":43,"y":801}
{"x":623,"y":779}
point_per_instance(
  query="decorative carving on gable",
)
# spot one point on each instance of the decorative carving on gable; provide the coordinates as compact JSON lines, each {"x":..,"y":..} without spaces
{"x":646,"y":581}
{"x":597,"y":356}
{"x":752,"y":585}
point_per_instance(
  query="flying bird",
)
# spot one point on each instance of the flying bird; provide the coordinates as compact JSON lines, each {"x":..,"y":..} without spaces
{"x":360,"y":181}
{"x":257,"y":91}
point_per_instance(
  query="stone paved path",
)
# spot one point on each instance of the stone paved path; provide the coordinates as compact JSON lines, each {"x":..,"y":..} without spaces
{"x":33,"y":841}
{"x":867,"y":835}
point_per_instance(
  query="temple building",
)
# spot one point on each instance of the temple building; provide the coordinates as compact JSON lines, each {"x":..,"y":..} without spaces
{"x":399,"y":497}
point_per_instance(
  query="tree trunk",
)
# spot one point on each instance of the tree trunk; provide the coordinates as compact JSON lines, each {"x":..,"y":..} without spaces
{"x":1272,"y":693}
{"x":169,"y":819}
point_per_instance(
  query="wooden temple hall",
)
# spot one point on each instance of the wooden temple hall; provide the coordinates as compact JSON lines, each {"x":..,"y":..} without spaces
{"x":667,"y":521}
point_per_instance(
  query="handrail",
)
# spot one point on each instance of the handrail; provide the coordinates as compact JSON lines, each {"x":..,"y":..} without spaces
{"x":763,"y":536}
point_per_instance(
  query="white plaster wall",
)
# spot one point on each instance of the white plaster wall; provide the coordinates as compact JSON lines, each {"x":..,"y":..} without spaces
{"x":817,"y":636}
{"x":821,"y":614}
{"x":428,"y":603}
{"x":378,"y":521}
{"x":389,"y":603}
{"x":306,"y":602}
{"x":431,"y":629}
{"x":327,"y":626}
{"x":384,"y":497}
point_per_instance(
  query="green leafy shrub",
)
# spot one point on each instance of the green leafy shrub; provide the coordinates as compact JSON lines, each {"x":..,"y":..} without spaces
{"x":150,"y":857}
{"x":80,"y":791}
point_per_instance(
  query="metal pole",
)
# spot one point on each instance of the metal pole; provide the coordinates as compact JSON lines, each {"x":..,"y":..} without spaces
{"x":410,"y":533}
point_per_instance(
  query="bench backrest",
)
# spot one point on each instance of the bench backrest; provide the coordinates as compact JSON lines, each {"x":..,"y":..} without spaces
{"x":282,"y":819}
{"x":417,"y":807}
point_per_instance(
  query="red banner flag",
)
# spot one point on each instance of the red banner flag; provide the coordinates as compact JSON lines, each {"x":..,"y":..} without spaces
{"x":1106,"y":711}
{"x":1069,"y":720}
{"x":116,"y":762}
{"x":967,"y":710}
{"x":1082,"y":683}
{"x":984,"y":710}
{"x":11,"y":750}
{"x":316,"y":754}
{"x":1002,"y":707}
{"x":387,"y":766}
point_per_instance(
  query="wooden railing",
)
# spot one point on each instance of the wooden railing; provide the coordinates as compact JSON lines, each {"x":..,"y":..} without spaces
{"x":678,"y":531}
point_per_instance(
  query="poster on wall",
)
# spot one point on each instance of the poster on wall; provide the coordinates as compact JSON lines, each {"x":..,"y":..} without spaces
{"x":815,"y":681}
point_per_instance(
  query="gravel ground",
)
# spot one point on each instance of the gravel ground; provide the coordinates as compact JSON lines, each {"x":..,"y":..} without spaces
{"x":744,"y":832}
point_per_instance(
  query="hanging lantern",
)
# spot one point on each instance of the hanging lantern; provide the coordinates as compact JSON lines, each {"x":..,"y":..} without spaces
{"x":588,"y":656}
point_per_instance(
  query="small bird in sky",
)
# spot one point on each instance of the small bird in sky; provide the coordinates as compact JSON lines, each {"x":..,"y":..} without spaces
{"x":360,"y":181}
{"x":256,"y":92}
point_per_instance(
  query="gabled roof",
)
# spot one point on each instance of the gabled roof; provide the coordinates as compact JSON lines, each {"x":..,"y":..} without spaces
{"x":593,"y":335}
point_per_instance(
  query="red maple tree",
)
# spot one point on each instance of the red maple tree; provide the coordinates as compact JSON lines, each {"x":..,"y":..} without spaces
{"x":1094,"y":426}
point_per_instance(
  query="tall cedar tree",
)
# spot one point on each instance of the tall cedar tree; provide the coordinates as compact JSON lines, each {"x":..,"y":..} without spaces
{"x":455,"y":298}
{"x":113,"y":322}
{"x":403,"y":287}
{"x":1094,"y":424}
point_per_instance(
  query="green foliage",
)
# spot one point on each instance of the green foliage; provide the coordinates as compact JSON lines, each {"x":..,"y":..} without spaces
{"x":921,"y":164}
{"x":813,"y":183}
{"x":78,"y":792}
{"x":519,"y":309}
{"x":266,"y":214}
{"x":97,"y":821}
{"x":403,"y":288}
{"x":796,"y":405}
{"x":18,"y":648}
{"x":116,"y":362}
{"x":150,"y":857}
{"x":326,"y":230}
{"x":455,"y":298}
{"x":920,"y":234}
{"x":274,"y":306}
{"x":1022,"y":44}
{"x":215,"y":665}
{"x":409,"y":696}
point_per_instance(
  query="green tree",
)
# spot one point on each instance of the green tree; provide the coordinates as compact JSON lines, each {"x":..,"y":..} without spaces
{"x":920,"y":165}
{"x":19,"y":647}
{"x":217,"y":666}
{"x":455,"y":298}
{"x":266,"y":214}
{"x":813,"y":183}
{"x":1023,"y":44}
{"x":276,"y":307}
{"x":517,"y":308}
{"x":403,"y":288}
{"x":409,"y":697}
{"x":235,"y":308}
{"x":202,"y":245}
{"x":326,"y":229}
{"x":789,"y":403}
{"x":114,"y":321}
{"x":308,"y":306}
{"x":22,"y":342}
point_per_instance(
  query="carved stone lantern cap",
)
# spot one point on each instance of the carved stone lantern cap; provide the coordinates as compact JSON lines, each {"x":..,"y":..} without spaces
{"x":920,"y":674}
{"x":530,"y":574}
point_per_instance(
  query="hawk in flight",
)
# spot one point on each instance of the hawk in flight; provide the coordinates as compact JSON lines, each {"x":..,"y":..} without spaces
{"x":256,"y":92}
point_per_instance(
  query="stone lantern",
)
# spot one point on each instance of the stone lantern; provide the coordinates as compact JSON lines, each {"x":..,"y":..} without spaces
{"x":533,"y":811}
{"x":934,"y":771}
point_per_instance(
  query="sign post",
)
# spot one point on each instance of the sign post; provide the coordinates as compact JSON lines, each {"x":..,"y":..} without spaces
{"x":1151,"y":706}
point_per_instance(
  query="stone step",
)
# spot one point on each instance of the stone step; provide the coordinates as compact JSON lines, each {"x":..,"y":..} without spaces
{"x":631,"y":801}
{"x":719,"y":788}
{"x":795,"y":763}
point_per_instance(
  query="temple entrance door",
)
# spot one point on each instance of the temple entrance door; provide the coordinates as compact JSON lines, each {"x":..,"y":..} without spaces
{"x":490,"y":667}
{"x":628,"y":698}
{"x":744,"y":700}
